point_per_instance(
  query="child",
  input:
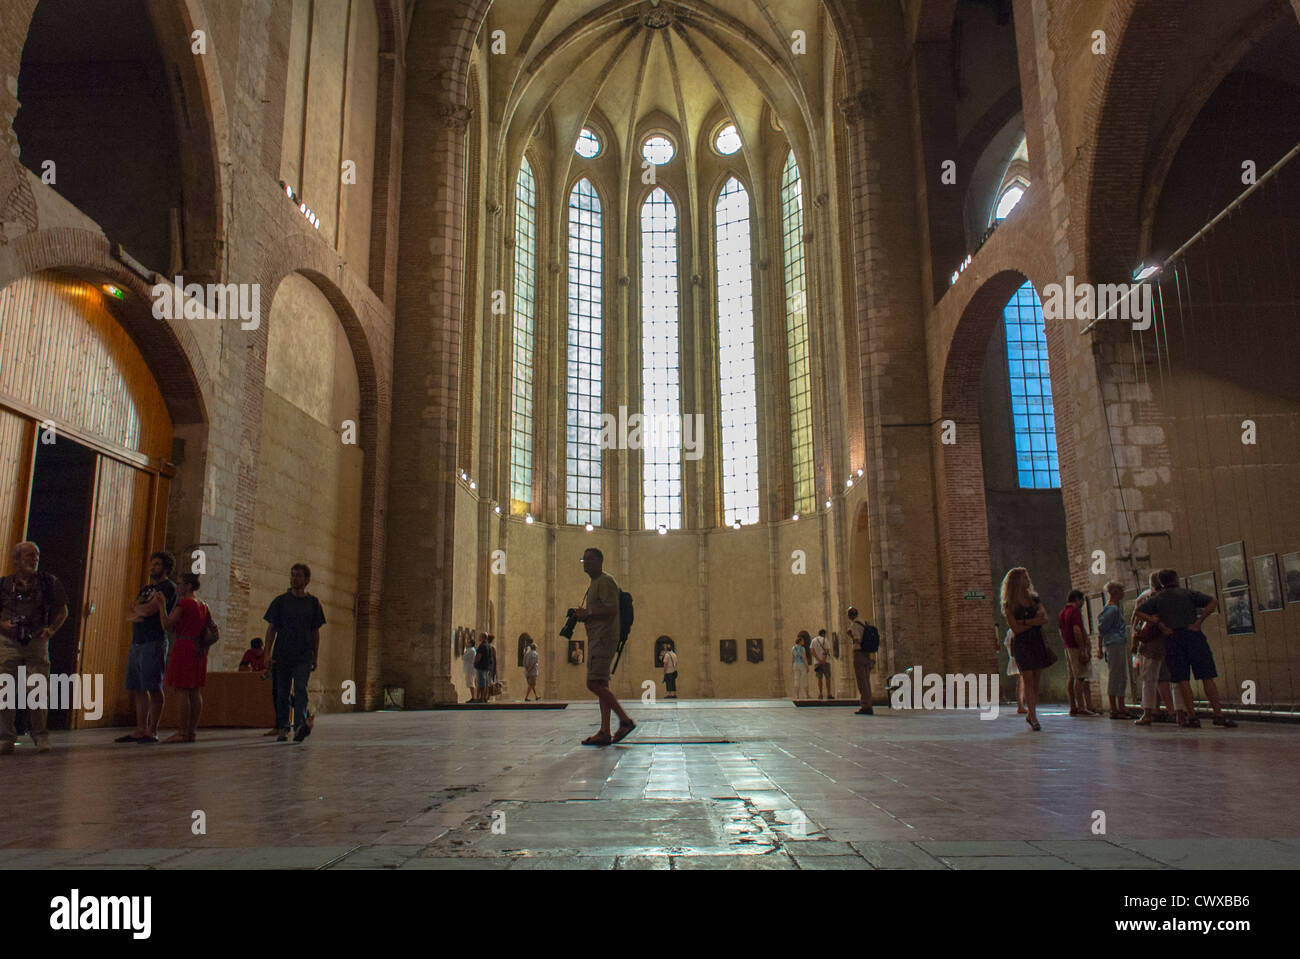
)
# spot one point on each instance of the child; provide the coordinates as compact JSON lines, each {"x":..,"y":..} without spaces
{"x":254,"y":658}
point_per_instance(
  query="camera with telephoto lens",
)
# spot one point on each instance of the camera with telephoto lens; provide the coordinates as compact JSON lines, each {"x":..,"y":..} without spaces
{"x":23,"y":632}
{"x":572,"y":621}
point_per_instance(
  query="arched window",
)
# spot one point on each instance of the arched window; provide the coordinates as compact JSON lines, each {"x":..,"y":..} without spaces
{"x":796,"y":329}
{"x":661,"y":406}
{"x":736,"y":375}
{"x":1010,"y":197}
{"x":1031,"y":392}
{"x":582,"y":447}
{"x":521,"y":376}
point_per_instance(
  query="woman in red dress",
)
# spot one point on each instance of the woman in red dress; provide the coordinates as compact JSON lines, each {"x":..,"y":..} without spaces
{"x":187,"y":668}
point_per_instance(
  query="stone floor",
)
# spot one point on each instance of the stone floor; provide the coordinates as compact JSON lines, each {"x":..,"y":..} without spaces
{"x":701,"y":784}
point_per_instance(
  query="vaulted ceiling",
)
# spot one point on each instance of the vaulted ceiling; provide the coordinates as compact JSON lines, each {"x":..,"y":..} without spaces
{"x":677,"y":65}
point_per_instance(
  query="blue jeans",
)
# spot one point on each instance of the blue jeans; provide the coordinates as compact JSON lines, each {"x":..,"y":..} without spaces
{"x":298,"y":674}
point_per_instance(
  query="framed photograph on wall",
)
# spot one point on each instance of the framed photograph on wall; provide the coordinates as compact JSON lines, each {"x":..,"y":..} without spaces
{"x":727,"y":650}
{"x":1238,"y":614}
{"x":1203,"y":583}
{"x":1268,"y":582}
{"x":577,"y":652}
{"x":1232,"y":566}
{"x":1291,"y":576}
{"x":754,"y":650}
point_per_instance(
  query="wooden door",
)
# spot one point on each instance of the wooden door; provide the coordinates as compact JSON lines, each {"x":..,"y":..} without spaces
{"x":119,"y":548}
{"x":17,"y":442}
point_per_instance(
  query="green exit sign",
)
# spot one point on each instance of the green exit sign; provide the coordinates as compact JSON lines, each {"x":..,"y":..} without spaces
{"x":974,"y":594}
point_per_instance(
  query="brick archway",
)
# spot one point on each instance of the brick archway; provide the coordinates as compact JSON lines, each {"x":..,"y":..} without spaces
{"x":1143,"y":39}
{"x":959,"y":481}
{"x":202,"y":139}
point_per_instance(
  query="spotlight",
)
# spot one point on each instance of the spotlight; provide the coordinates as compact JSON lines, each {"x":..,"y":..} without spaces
{"x":859,"y":472}
{"x":112,"y":290}
{"x":795,"y":517}
{"x":848,"y":482}
{"x":473,"y":485}
{"x":590,"y":527}
{"x":736,"y":525}
{"x":663,"y":530}
{"x":497,"y":508}
{"x":828,"y":504}
{"x":529,"y":519}
{"x":1145,"y":269}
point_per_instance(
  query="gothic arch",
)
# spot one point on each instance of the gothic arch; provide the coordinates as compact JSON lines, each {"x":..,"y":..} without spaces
{"x":363,"y":322}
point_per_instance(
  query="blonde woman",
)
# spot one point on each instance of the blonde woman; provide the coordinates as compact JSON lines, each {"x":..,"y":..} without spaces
{"x":1025,"y":614}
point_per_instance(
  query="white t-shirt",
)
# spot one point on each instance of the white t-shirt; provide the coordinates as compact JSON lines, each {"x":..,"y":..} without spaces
{"x":821,"y":649}
{"x":467,"y":658}
{"x":670,"y":662}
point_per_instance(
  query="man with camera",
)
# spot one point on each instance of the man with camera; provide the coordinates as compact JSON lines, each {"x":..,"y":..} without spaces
{"x":599,"y":614}
{"x":33,"y":605}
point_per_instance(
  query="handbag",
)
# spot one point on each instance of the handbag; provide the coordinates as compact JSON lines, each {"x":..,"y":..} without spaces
{"x":210,"y":635}
{"x":1051,"y":653}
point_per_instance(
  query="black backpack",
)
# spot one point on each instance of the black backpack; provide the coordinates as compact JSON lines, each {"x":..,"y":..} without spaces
{"x":625,"y":616}
{"x":870,"y":638}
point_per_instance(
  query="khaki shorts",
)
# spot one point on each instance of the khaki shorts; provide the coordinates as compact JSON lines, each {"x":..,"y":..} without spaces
{"x":599,"y":660}
{"x":1077,"y":660}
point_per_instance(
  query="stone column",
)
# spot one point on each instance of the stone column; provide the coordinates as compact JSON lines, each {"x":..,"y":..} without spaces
{"x":426,"y":377}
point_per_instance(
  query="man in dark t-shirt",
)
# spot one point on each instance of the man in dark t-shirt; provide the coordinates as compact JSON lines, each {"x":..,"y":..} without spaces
{"x":1179,"y":613}
{"x":146,"y":661}
{"x":33,"y":605}
{"x":292,"y":649}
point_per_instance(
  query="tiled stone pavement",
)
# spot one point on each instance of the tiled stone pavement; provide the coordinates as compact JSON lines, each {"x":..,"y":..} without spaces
{"x":699,"y":785}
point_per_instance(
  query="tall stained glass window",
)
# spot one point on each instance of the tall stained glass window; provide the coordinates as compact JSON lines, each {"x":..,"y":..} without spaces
{"x":1032,"y":416}
{"x":796,"y":329}
{"x":736,"y":373}
{"x":661,"y":407}
{"x":521,"y":377}
{"x":582,"y":436}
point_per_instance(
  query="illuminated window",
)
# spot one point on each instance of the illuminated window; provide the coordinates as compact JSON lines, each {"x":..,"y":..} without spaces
{"x":521,"y":376}
{"x":1010,"y":197}
{"x":582,"y":446}
{"x":727,"y":141}
{"x":1031,"y":392}
{"x":661,"y":407}
{"x":796,"y":328}
{"x":588,"y":145}
{"x":736,"y":376}
{"x":658,"y":150}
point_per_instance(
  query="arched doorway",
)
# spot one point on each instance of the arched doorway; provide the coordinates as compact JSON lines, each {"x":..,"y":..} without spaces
{"x":85,"y":443}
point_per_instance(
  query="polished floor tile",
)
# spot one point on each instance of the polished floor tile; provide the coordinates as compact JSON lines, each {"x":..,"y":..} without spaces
{"x":703,"y":784}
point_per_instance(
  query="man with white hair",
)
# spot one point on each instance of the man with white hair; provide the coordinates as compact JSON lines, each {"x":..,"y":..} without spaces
{"x":33,"y":605}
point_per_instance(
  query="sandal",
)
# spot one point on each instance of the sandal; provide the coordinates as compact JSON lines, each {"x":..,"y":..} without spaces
{"x":600,"y":739}
{"x":622,"y":731}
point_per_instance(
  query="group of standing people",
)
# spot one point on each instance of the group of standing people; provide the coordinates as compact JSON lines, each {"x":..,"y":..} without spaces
{"x":807,"y":651}
{"x":479,"y":664}
{"x":1165,"y":641}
